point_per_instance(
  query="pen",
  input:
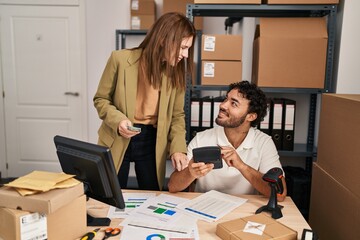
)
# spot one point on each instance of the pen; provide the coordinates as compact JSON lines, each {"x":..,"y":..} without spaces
{"x":90,"y":235}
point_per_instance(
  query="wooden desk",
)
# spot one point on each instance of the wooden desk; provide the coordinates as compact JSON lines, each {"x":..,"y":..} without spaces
{"x":291,"y":215}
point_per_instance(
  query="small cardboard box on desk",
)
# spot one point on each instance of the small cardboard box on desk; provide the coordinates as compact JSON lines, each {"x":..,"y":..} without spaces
{"x":59,"y":213}
{"x":255,"y":227}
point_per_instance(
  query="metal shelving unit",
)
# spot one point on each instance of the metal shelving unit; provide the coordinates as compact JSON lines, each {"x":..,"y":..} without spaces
{"x":239,"y":10}
{"x":123,"y":33}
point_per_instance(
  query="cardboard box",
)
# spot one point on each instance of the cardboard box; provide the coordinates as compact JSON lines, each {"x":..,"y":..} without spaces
{"x":301,"y":1}
{"x":220,"y":72}
{"x":290,"y":52}
{"x":334,"y":209}
{"x":338,"y":144}
{"x":143,"y":22}
{"x":229,"y":1}
{"x":180,"y":6}
{"x":68,"y":222}
{"x":46,"y":202}
{"x":221,"y":47}
{"x":243,"y":229}
{"x":142,"y":7}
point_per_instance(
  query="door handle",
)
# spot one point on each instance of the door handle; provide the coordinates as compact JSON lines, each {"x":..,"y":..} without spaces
{"x":75,"y":94}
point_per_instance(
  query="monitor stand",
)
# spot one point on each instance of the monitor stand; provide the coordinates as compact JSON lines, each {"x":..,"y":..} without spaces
{"x":97,"y":221}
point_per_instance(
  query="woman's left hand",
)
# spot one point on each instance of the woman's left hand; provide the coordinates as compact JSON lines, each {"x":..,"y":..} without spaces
{"x":179,"y":161}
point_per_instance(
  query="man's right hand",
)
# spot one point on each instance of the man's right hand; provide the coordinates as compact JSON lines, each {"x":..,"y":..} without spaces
{"x":199,"y":169}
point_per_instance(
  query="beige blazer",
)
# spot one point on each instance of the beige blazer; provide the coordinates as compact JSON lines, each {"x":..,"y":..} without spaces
{"x":115,"y":101}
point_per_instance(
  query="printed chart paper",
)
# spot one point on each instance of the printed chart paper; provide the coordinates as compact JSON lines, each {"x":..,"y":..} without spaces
{"x":212,"y":205}
{"x":132,"y":201}
{"x":129,"y":232}
{"x":160,"y":213}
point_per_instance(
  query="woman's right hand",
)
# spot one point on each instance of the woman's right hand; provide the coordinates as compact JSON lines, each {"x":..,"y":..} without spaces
{"x":124,"y":131}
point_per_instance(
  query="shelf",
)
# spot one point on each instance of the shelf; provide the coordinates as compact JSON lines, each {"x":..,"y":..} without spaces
{"x":263,"y":10}
{"x":300,"y":150}
{"x":265,"y":89}
{"x":123,"y":34}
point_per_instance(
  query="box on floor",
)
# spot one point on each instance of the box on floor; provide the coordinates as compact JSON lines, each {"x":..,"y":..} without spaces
{"x":290,"y":52}
{"x":338,"y":151}
{"x":255,"y":227}
{"x":334,"y":209}
{"x":67,"y":222}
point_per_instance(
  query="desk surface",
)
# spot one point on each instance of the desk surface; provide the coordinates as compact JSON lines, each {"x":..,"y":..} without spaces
{"x":291,"y":215}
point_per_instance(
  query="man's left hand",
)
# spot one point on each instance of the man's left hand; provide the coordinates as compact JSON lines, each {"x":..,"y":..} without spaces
{"x":231,"y":157}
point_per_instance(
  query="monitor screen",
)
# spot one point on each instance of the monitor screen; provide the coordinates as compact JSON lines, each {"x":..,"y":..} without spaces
{"x":93,"y":165}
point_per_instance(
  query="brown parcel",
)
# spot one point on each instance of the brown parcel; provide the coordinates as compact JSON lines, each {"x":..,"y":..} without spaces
{"x":46,"y":202}
{"x":290,"y":52}
{"x":68,"y":222}
{"x":233,"y":230}
{"x":338,"y":144}
{"x":142,"y":21}
{"x":221,"y":72}
{"x":221,"y":47}
{"x":334,"y":209}
{"x":143,"y":7}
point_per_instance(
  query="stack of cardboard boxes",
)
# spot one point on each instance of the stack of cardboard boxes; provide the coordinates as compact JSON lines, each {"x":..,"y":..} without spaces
{"x":143,"y":14}
{"x":57,"y":214}
{"x":221,"y":59}
{"x":335,"y":189}
{"x":290,"y":52}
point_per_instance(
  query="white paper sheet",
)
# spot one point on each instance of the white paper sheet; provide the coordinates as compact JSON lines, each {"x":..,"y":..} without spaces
{"x":212,"y":205}
{"x":160,"y":213}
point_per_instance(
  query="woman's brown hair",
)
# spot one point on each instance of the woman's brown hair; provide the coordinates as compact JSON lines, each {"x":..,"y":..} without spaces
{"x":162,"y":45}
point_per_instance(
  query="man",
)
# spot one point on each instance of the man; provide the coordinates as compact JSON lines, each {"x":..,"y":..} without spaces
{"x":247,"y":152}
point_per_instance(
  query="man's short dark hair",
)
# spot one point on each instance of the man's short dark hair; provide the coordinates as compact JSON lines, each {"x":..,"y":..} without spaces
{"x":257,"y":98}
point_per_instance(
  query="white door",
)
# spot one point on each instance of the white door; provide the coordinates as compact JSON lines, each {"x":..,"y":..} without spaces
{"x":43,"y":82}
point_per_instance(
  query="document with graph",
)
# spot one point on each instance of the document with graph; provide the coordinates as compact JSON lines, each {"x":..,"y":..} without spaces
{"x":212,"y":205}
{"x":161,"y":213}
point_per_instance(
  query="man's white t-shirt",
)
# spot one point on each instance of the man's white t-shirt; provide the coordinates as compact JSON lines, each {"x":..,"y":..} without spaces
{"x":257,"y":150}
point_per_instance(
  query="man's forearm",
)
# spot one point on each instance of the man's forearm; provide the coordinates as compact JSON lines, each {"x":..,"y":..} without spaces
{"x":179,"y":180}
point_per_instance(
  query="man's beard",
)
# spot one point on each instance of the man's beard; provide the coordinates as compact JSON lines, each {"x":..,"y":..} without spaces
{"x":231,"y":123}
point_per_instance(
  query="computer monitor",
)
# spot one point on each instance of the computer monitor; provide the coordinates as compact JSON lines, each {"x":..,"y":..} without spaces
{"x":93,"y":165}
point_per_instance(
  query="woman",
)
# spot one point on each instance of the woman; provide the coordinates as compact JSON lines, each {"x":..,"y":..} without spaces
{"x":144,"y":88}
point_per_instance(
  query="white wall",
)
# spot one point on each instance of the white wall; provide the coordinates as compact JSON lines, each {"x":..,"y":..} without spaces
{"x":348,"y":78}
